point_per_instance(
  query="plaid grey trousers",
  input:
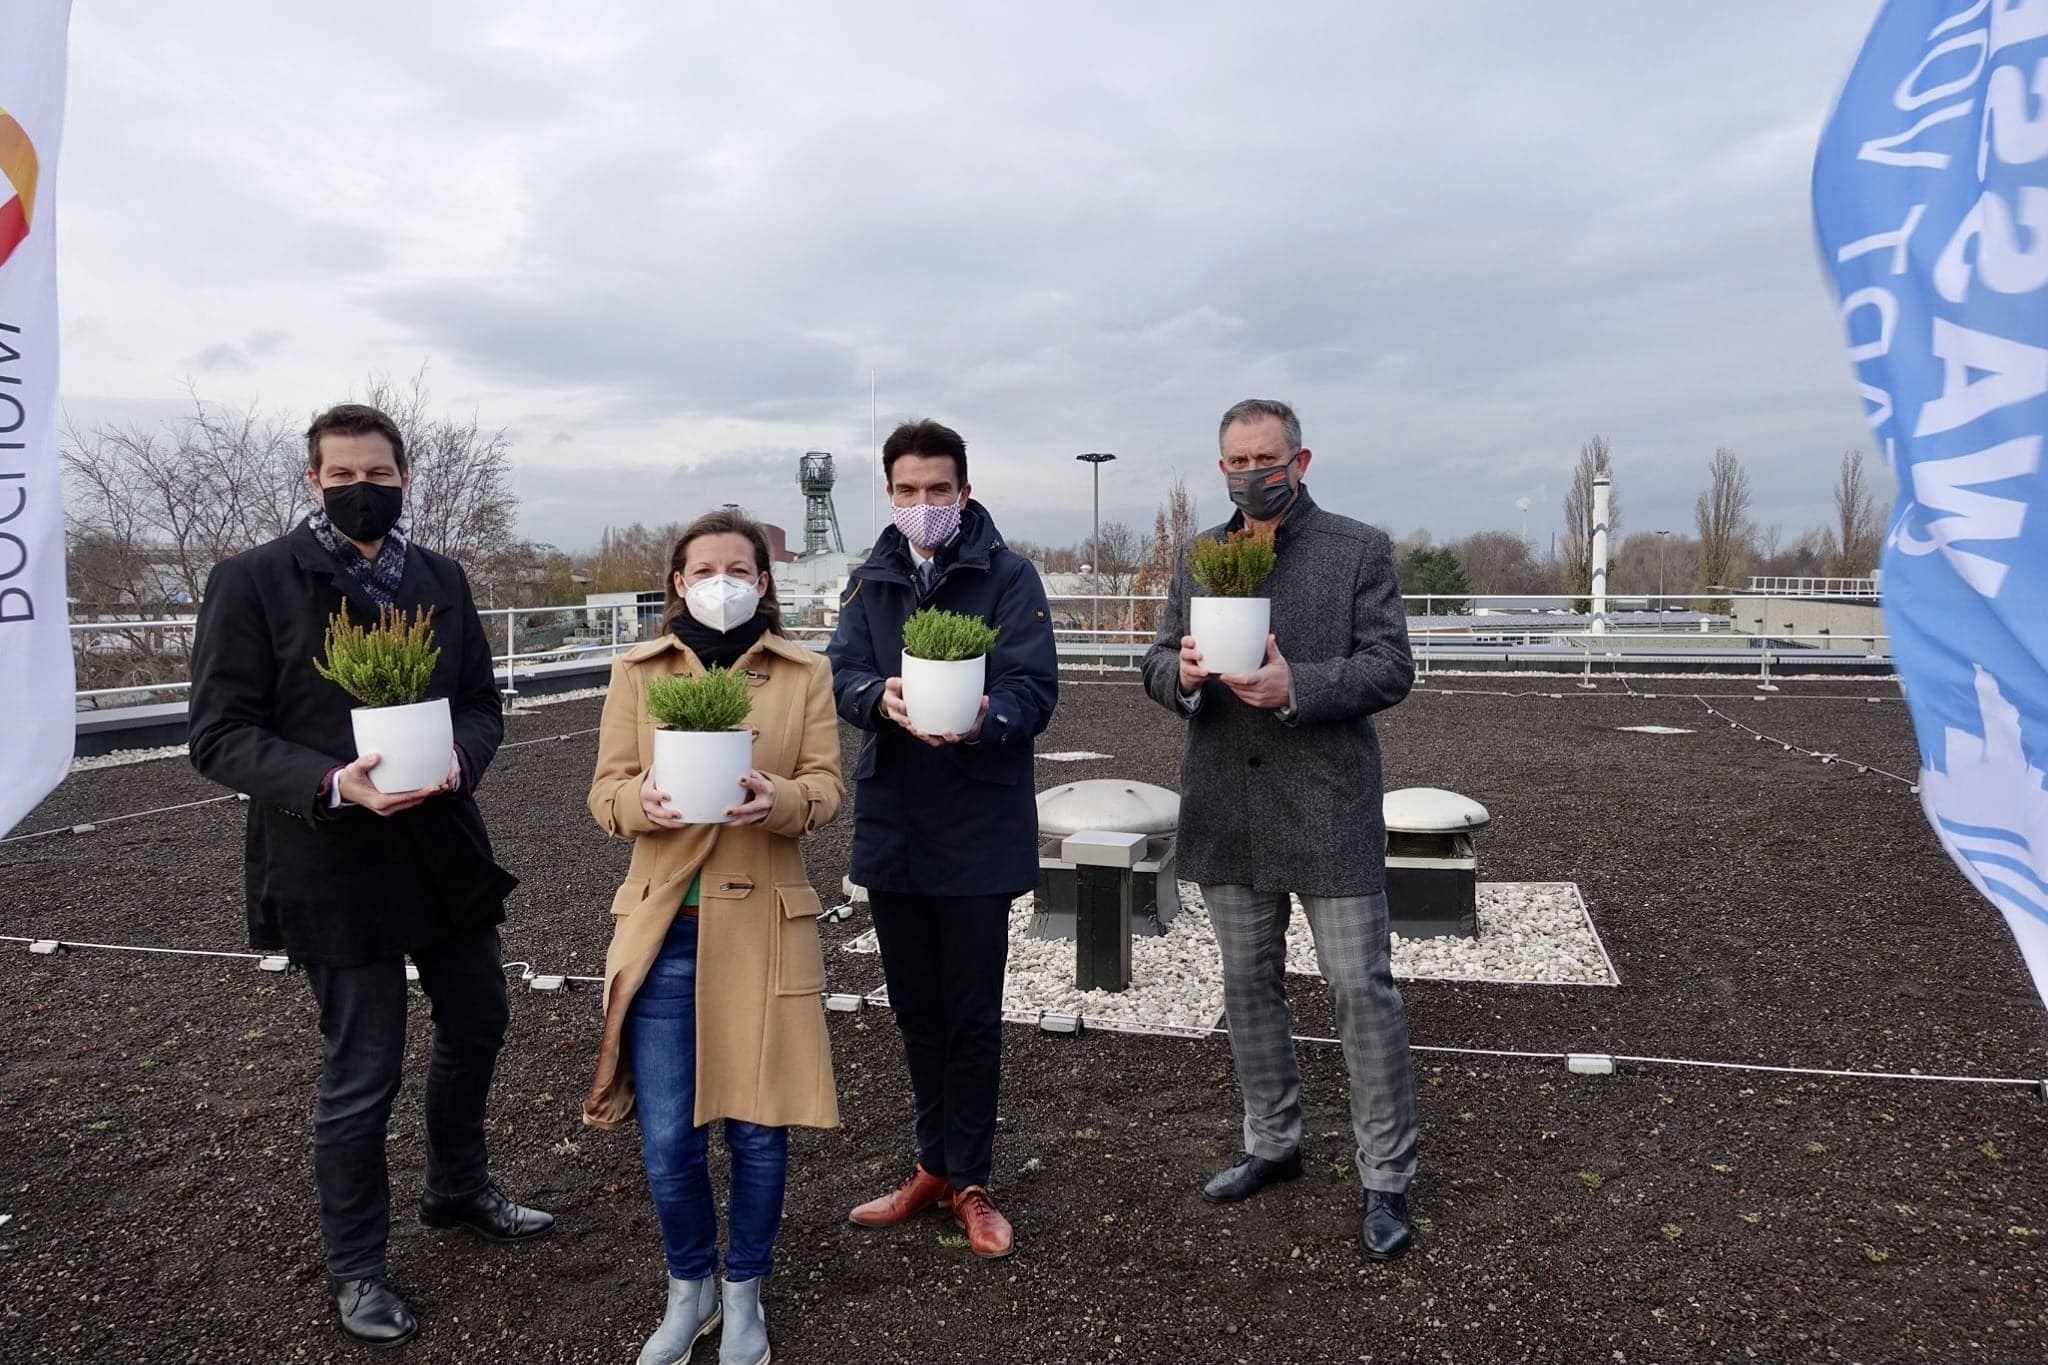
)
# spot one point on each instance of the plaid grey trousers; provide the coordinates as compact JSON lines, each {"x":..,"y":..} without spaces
{"x":1351,"y":945}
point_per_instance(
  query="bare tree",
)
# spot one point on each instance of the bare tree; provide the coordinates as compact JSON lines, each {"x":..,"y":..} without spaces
{"x":1120,"y":554}
{"x":1721,"y":516}
{"x":152,"y":510}
{"x":1650,"y":563}
{"x":461,"y":500}
{"x":1852,"y":544}
{"x":1594,"y":459}
{"x":1414,"y":542}
{"x":1173,"y":530}
{"x":1496,"y":562}
{"x":633,"y":558}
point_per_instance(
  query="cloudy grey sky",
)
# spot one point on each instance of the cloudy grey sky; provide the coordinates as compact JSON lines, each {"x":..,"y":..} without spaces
{"x":665,"y":246}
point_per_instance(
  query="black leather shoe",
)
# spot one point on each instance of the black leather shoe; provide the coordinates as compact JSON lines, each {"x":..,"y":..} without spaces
{"x":1386,"y":1235}
{"x":371,"y":1311}
{"x":1248,"y":1175}
{"x":487,"y":1213}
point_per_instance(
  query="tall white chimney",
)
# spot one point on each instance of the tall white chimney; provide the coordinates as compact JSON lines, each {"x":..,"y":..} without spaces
{"x":1601,"y":485}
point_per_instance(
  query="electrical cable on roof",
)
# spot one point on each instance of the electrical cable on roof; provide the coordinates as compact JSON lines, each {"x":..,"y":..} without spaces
{"x":1109,"y":1024}
{"x":1786,"y":744}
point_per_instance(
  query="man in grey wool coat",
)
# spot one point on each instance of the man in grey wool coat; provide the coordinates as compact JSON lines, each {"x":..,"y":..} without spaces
{"x":1280,"y":793}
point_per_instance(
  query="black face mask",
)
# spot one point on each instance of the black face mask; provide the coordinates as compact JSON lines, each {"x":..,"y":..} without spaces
{"x":364,"y":511}
{"x":1262,"y":494}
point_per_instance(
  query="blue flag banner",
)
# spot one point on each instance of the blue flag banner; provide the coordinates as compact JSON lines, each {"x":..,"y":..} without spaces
{"x":1930,"y":197}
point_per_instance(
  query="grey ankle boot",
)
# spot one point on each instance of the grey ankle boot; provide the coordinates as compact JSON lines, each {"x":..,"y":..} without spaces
{"x":745,"y":1341}
{"x":692,"y":1311}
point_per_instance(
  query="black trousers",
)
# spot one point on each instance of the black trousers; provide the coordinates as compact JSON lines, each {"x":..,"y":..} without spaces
{"x":362,"y":1023}
{"x":943,"y":959}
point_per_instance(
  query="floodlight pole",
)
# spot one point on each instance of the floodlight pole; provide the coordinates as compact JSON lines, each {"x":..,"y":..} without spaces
{"x":1098,"y":460}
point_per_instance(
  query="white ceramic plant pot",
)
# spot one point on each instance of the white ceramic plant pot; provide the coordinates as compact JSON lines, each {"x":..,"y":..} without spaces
{"x":944,"y":695}
{"x":1231,"y":631}
{"x":414,"y":744}
{"x":700,"y":770}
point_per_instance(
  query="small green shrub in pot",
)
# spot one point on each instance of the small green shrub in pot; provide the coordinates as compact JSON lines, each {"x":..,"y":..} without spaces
{"x":388,"y":664}
{"x":1235,"y":566}
{"x":947,"y":636}
{"x":945,"y":669}
{"x":716,"y":699}
{"x":700,"y":750}
{"x":388,"y":667}
{"x":1231,"y":622}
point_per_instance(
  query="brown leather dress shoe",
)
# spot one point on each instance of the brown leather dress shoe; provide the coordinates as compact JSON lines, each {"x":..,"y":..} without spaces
{"x":920,"y":1192}
{"x":988,"y":1232}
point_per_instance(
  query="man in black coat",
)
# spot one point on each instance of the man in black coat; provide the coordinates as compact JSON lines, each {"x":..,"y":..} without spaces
{"x":1280,"y":793}
{"x":348,"y":880}
{"x":945,"y":831}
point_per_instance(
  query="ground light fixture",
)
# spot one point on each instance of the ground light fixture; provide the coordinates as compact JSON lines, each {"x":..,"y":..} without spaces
{"x":46,"y":947}
{"x":1068,"y":1025}
{"x":845,"y":1002}
{"x":273,"y":962}
{"x":550,"y":981}
{"x":1589,"y":1063}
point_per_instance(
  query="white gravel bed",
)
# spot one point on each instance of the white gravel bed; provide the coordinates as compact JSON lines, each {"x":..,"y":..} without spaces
{"x":1530,"y":934}
{"x":540,"y":699}
{"x":124,"y":757}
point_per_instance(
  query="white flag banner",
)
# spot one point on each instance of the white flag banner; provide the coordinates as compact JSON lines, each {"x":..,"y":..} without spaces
{"x":37,"y":726}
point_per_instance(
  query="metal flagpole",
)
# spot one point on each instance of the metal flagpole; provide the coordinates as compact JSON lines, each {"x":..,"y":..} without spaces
{"x":874,"y":470}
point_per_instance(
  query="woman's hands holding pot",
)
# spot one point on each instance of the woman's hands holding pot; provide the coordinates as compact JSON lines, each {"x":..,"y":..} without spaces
{"x":760,"y":799}
{"x":654,"y":804}
{"x":760,"y":789}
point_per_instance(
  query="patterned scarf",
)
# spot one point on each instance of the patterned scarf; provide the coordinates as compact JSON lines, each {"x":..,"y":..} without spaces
{"x":379,"y":580}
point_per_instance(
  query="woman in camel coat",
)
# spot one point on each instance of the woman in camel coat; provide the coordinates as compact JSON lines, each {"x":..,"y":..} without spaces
{"x":712,"y":1004}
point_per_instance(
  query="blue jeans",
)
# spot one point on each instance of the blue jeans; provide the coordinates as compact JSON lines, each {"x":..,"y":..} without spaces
{"x":661,"y":1041}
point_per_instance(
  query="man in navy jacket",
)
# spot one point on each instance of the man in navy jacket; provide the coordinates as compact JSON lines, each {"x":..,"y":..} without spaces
{"x":945,"y":831}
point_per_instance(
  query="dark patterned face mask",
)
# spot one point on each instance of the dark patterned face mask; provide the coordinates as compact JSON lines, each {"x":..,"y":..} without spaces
{"x":1263,"y":494}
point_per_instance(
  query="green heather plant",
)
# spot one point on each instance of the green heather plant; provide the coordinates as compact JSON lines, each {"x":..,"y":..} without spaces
{"x":1234,"y":566}
{"x":716,"y":699}
{"x":388,"y":664}
{"x":947,"y":636}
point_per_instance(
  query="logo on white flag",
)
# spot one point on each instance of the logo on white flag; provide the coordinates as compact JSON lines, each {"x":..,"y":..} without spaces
{"x":18,"y":181}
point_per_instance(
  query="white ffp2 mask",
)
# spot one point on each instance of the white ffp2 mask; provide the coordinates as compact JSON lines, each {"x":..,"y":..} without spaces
{"x":723,"y":602}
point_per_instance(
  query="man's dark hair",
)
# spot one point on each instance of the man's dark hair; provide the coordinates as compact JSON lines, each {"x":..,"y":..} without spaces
{"x":927,"y":438}
{"x":352,"y":419}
